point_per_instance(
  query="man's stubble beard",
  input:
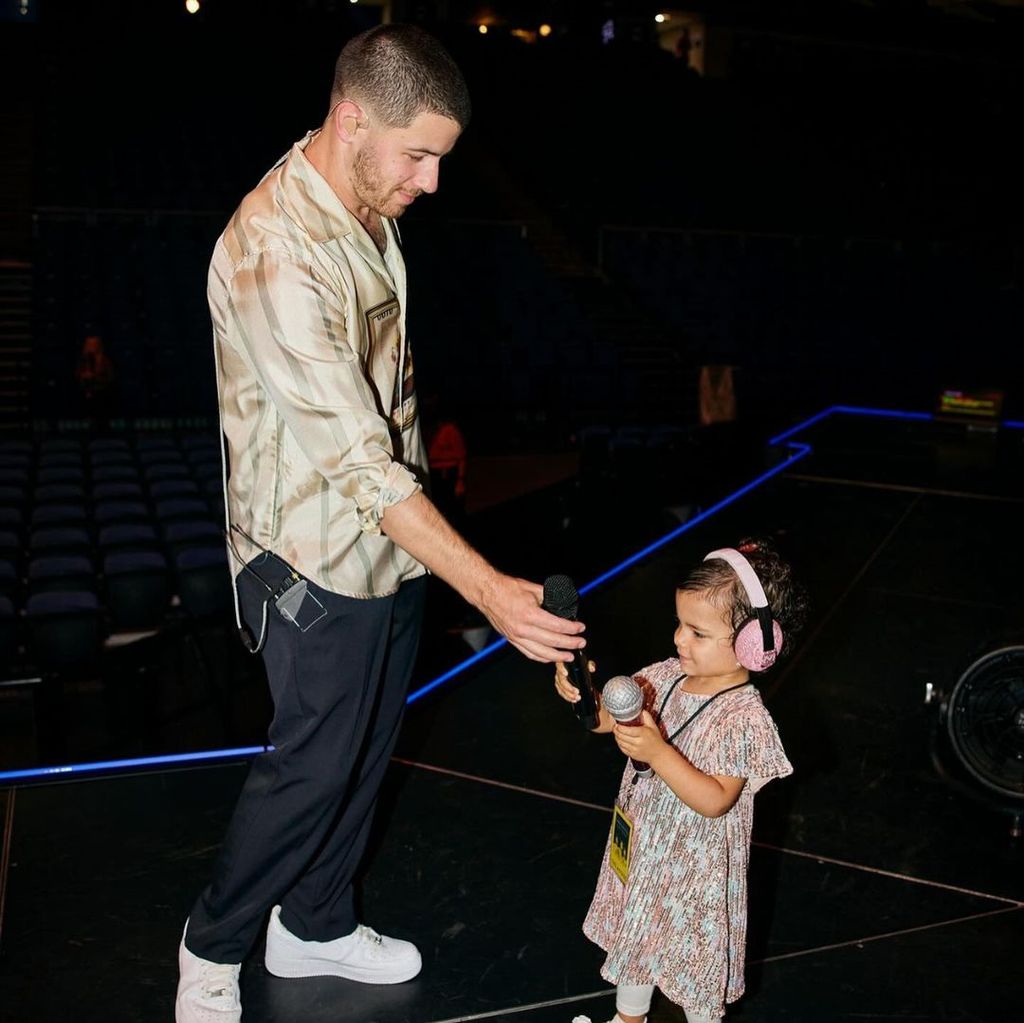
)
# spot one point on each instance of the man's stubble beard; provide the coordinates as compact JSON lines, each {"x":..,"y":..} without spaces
{"x":369,"y":186}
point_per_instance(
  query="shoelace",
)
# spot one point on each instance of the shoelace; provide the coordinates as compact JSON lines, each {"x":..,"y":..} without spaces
{"x":368,"y":934}
{"x":219,"y":980}
{"x":373,"y":940}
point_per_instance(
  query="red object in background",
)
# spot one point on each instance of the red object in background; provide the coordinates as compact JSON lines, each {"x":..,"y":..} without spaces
{"x":446,"y":453}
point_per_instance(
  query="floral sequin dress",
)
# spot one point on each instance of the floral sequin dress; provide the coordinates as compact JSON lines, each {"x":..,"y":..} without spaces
{"x":680,"y":920}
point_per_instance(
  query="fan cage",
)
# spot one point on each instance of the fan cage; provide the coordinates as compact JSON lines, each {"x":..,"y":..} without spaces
{"x":985,"y":718}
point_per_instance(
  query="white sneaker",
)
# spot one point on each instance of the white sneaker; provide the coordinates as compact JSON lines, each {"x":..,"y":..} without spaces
{"x":363,"y":955}
{"x":207,"y":992}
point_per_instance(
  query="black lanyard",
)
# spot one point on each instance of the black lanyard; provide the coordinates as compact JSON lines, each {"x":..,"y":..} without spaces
{"x":702,"y":707}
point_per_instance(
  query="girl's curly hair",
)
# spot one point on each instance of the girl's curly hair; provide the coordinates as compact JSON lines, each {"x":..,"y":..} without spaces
{"x":786,"y":598}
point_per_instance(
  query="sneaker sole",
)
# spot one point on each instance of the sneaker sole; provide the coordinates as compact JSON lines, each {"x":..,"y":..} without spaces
{"x":183,"y":1012}
{"x":280,"y":966}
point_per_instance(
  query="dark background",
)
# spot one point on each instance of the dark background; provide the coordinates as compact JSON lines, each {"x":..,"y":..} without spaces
{"x":833,"y":207}
{"x":826,"y":198}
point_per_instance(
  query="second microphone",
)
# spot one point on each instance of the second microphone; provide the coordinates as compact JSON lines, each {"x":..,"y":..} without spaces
{"x":624,"y":700}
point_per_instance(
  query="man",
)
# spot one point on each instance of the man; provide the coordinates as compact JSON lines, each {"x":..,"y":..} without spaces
{"x":327,"y":516}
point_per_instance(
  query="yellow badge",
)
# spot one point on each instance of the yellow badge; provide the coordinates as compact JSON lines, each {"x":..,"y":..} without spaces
{"x":621,"y":844}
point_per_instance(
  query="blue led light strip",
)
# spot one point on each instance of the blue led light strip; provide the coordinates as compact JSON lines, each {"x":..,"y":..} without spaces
{"x":852,"y":410}
{"x":105,"y":765}
{"x":796,"y":452}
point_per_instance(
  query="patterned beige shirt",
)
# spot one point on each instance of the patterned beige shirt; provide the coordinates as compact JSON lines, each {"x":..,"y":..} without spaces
{"x":315,"y":383}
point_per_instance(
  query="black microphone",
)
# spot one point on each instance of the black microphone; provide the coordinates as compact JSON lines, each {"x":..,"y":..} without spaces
{"x":624,"y":700}
{"x":561,"y":599}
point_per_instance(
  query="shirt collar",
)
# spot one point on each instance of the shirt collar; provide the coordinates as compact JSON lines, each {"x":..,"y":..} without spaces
{"x":307,"y":198}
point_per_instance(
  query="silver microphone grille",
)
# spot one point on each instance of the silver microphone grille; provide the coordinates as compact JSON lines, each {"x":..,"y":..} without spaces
{"x":623,"y":698}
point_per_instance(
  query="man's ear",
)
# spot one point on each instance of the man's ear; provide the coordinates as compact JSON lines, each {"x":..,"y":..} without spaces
{"x":347,"y":118}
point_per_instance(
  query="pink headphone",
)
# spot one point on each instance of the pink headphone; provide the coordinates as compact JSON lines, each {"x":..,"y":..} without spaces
{"x":759,"y":639}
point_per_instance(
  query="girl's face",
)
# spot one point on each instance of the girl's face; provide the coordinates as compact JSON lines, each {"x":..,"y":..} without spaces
{"x":704,"y":637}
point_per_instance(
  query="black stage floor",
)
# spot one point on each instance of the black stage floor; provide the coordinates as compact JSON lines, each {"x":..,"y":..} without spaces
{"x":880,"y":888}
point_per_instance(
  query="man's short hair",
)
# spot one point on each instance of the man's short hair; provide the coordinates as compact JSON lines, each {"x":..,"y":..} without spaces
{"x":400,"y":71}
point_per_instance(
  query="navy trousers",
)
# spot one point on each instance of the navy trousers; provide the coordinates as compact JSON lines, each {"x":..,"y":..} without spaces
{"x":303,"y":818}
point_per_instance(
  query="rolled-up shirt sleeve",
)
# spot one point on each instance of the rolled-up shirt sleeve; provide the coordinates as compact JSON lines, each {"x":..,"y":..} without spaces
{"x":290,"y":325}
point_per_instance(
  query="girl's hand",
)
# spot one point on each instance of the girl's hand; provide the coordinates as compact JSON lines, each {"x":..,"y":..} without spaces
{"x":563,"y":686}
{"x":641,"y":742}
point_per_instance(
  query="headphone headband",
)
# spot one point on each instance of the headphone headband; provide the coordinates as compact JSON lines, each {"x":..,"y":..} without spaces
{"x":746,"y":573}
{"x":755,"y":594}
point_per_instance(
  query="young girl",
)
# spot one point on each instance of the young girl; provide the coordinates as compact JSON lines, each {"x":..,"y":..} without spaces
{"x":671,"y":902}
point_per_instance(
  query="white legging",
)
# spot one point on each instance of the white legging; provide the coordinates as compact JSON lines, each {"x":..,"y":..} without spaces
{"x":635,"y":1000}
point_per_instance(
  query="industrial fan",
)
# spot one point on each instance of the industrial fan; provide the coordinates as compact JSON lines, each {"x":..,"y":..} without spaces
{"x":983,"y":725}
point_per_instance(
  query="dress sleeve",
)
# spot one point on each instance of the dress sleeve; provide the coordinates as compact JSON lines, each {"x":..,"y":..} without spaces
{"x":748,"y":746}
{"x":291,"y":327}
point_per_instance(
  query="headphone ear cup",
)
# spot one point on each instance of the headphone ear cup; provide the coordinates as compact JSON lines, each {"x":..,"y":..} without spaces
{"x":749,"y":646}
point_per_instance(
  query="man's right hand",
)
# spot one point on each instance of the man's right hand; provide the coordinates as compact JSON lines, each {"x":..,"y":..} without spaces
{"x":513,"y":607}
